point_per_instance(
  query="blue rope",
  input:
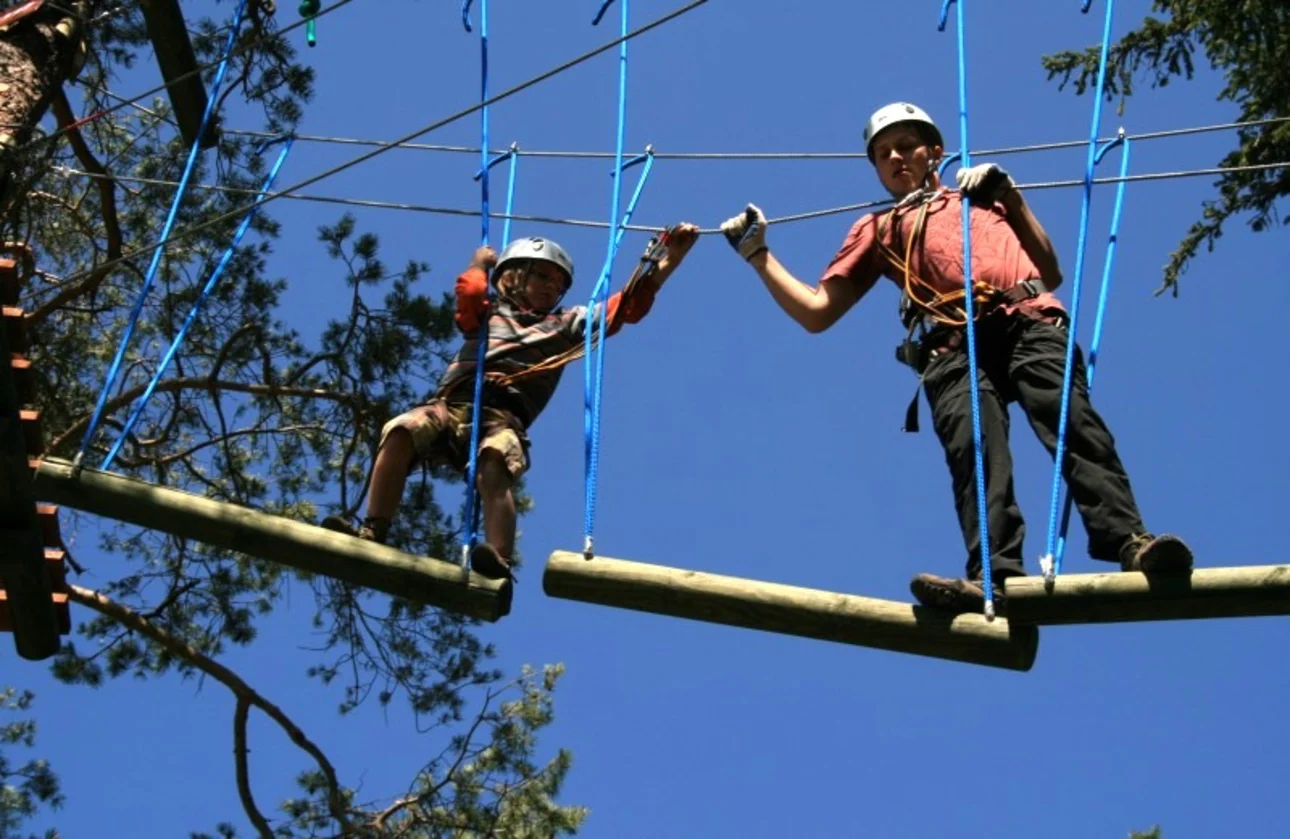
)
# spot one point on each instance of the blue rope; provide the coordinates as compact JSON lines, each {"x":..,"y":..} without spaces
{"x":510,"y":193}
{"x":1096,"y":345}
{"x":485,"y":220}
{"x":969,"y":306}
{"x":473,"y":503}
{"x":604,"y":7}
{"x":1048,"y":562}
{"x":211,"y":99}
{"x":594,"y":364}
{"x":512,"y":155}
{"x":192,"y":313}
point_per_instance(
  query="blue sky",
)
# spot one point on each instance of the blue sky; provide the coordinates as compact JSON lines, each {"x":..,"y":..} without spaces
{"x":734,"y":442}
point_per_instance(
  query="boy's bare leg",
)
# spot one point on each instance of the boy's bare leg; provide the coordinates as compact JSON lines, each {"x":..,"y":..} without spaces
{"x":390,"y":474}
{"x":495,"y":484}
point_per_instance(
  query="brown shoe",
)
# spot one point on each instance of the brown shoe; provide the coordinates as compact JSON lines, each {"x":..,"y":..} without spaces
{"x":1147,"y":553}
{"x":959,"y":596}
{"x":487,"y":562}
{"x":371,"y":530}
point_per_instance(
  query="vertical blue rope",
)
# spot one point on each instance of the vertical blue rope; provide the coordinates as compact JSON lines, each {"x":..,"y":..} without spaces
{"x":510,"y":194}
{"x":595,"y":361}
{"x":1095,"y":347}
{"x":193,"y":152}
{"x":486,"y":220}
{"x":193,"y":312}
{"x":473,"y":503}
{"x":1048,"y":562}
{"x":969,"y":306}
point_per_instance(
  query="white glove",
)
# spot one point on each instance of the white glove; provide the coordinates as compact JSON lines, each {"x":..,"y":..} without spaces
{"x":985,"y":183}
{"x":746,"y":232}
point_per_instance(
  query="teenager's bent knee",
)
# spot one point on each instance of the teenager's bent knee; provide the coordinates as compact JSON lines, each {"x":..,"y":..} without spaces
{"x":493,"y":477}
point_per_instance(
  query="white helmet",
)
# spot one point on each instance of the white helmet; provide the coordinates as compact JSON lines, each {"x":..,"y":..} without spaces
{"x":895,"y":114}
{"x":535,"y":247}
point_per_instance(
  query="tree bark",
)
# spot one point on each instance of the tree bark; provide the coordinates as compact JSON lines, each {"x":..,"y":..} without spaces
{"x":38,"y":53}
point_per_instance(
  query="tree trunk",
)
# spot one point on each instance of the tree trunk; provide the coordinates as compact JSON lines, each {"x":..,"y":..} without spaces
{"x":38,"y":52}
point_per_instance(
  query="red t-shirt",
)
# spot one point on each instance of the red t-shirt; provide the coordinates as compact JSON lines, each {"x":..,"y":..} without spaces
{"x":997,"y":256}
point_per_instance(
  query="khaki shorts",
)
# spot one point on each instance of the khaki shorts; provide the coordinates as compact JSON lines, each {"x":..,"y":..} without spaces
{"x":441,"y":435}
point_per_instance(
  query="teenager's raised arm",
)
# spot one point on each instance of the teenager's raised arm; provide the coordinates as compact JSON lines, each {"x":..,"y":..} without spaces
{"x":815,"y":308}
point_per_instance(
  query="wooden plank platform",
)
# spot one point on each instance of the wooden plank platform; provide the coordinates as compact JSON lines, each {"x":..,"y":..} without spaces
{"x":1133,"y":596}
{"x":771,"y":607}
{"x":291,"y":543}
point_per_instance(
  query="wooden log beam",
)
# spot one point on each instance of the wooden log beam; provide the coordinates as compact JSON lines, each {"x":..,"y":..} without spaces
{"x":274,"y":538}
{"x":1133,"y":596}
{"x":844,"y":618}
{"x":175,"y":57}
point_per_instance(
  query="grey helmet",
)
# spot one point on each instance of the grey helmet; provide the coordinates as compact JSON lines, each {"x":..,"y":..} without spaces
{"x":535,"y":247}
{"x":895,"y":114}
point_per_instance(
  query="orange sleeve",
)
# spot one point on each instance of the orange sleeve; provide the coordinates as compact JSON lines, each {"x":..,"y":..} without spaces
{"x":472,"y":299}
{"x":631,"y":309}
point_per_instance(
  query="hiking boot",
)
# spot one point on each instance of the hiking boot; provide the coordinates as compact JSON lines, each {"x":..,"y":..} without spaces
{"x":1148,"y":553}
{"x":955,"y":595}
{"x":371,"y":530}
{"x":487,"y":562}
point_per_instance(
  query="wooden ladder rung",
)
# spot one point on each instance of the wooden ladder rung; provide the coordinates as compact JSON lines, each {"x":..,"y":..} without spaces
{"x":50,"y":535}
{"x":24,"y":378}
{"x":57,"y":570}
{"x":8,"y":282}
{"x":15,"y":323}
{"x":60,"y":609}
{"x":32,"y":432}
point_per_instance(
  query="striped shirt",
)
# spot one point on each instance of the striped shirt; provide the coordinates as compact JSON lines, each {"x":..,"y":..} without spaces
{"x":517,"y":340}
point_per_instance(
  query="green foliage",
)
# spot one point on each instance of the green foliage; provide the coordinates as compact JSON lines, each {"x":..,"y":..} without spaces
{"x":23,"y":789}
{"x":257,"y":412}
{"x":1153,"y":833}
{"x":1248,"y":42}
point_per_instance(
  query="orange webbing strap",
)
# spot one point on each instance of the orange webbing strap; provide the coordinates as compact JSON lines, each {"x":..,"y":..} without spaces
{"x":943,"y":307}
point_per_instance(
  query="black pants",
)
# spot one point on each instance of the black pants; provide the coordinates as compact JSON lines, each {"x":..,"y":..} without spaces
{"x":1021,"y":360}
